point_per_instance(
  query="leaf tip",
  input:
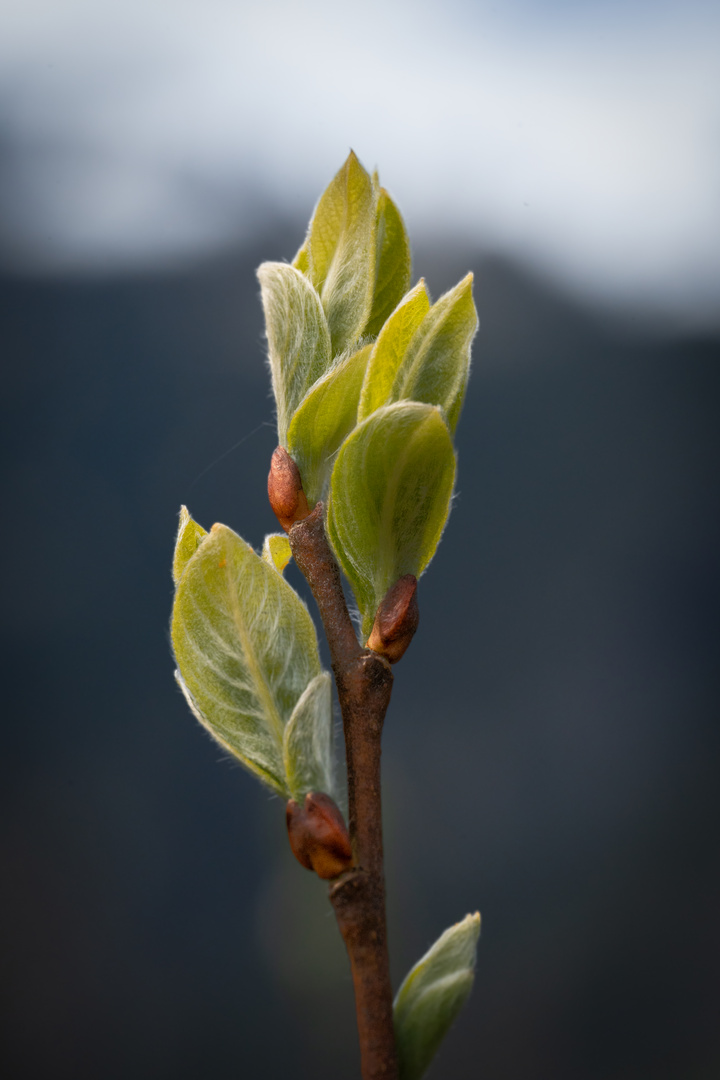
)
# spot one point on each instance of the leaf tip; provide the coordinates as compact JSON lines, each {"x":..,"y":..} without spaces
{"x":276,"y":551}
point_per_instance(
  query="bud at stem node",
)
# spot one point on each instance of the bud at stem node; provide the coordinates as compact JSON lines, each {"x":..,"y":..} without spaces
{"x":396,"y":619}
{"x":285,"y":490}
{"x":318,"y":835}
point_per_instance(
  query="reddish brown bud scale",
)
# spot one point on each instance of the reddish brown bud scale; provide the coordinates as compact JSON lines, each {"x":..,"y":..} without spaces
{"x":285,"y":490}
{"x":396,"y":619}
{"x":318,"y":835}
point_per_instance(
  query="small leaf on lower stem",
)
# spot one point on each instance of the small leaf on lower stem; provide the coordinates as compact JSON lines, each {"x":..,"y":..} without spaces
{"x":308,"y":740}
{"x":432,"y":995}
{"x":276,"y":551}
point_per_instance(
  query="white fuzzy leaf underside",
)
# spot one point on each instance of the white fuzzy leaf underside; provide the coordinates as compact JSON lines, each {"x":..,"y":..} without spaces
{"x":246,"y":650}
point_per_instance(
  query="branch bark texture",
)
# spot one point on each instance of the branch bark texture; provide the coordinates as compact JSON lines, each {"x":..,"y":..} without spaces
{"x":364,"y":684}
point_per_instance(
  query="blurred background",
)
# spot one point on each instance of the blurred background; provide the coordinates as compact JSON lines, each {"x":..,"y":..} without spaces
{"x":552,"y":749}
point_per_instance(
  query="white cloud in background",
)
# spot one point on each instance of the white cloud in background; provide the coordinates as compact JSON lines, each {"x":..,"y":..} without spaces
{"x":585,"y":138}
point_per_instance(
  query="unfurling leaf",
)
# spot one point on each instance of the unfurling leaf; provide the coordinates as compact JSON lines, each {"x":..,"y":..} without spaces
{"x":277,"y":551}
{"x":189,"y":537}
{"x":324,"y":417}
{"x":432,"y":995}
{"x":298,"y":337}
{"x":390,"y":496}
{"x":356,"y":254}
{"x":246,"y":650}
{"x":340,"y":252}
{"x":390,"y":348}
{"x":308,"y":740}
{"x":436,"y":365}
{"x":392,"y":274}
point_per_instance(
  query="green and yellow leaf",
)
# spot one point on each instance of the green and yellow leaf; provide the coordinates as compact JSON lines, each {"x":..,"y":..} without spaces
{"x":189,"y":537}
{"x":389,"y":350}
{"x":390,"y":494}
{"x":432,"y":995}
{"x":341,"y":252}
{"x":308,"y":742}
{"x":392,"y":264}
{"x":277,"y":551}
{"x":298,"y":337}
{"x":323,"y":419}
{"x":246,"y":650}
{"x":436,"y":364}
{"x":301,"y":261}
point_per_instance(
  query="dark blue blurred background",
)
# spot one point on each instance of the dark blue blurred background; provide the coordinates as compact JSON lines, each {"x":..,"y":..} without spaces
{"x":552,"y":748}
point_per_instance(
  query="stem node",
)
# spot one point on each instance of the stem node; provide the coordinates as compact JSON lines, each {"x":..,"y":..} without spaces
{"x":364,"y":684}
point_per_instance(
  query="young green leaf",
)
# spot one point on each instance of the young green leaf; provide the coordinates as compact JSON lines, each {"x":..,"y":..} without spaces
{"x":189,"y":537}
{"x":341,"y":252}
{"x":390,"y":496}
{"x":392,"y":264}
{"x":437,"y":362}
{"x":432,"y":995}
{"x":324,"y":417}
{"x":276,"y":551}
{"x":390,"y":348}
{"x":308,"y":741}
{"x":298,"y":337}
{"x":301,"y":261}
{"x":246,"y":649}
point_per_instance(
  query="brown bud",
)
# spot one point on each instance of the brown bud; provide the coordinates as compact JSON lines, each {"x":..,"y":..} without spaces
{"x":396,"y":619}
{"x":285,"y":490}
{"x":318,"y":835}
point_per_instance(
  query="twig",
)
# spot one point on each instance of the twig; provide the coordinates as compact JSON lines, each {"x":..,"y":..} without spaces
{"x":364,"y":684}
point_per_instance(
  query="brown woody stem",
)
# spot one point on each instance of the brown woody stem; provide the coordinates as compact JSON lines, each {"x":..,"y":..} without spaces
{"x":364,"y":683}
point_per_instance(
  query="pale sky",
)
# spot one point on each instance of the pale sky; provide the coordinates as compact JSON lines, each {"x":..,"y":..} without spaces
{"x":583,"y":138}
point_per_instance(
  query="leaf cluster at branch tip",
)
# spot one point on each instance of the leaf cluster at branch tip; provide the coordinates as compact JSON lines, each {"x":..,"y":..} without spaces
{"x":348,"y":342}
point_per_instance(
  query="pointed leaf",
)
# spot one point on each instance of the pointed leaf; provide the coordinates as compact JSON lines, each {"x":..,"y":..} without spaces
{"x":390,"y":348}
{"x":341,"y":248}
{"x":298,"y":337}
{"x":389,"y":499}
{"x":437,"y":362}
{"x":433,"y":994}
{"x":246,"y":649}
{"x":301,"y":261}
{"x":277,"y":551}
{"x":392,"y":274}
{"x":308,"y":742}
{"x":189,"y":537}
{"x":325,"y":416}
